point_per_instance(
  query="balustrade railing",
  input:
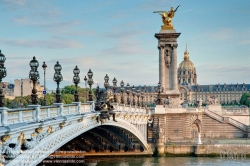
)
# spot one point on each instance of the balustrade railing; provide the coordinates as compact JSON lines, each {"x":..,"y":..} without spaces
{"x":227,"y":120}
{"x":41,"y":113}
{"x":129,"y":108}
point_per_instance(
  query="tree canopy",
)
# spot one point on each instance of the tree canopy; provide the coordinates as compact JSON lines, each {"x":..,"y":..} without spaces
{"x":245,"y":99}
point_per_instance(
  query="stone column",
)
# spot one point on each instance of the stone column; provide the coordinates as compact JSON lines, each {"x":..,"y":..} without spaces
{"x":161,"y":65}
{"x":174,"y":67}
{"x":167,"y":44}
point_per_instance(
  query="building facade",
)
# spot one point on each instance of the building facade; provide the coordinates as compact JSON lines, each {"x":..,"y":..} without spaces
{"x":24,"y":87}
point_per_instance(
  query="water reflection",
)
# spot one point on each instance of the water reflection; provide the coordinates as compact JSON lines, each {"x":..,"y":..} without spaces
{"x":175,"y":161}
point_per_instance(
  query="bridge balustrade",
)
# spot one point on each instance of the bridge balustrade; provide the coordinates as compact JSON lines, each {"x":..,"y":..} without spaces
{"x":128,"y":108}
{"x":41,"y":113}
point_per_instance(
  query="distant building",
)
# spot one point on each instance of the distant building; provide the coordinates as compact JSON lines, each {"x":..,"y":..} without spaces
{"x":191,"y":92}
{"x":8,"y":89}
{"x":24,"y":87}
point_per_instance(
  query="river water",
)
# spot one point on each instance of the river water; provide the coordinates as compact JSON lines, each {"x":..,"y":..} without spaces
{"x":170,"y":161}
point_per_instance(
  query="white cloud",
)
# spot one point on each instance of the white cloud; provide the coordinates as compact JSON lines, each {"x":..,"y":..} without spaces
{"x":212,"y":74}
{"x":52,"y":43}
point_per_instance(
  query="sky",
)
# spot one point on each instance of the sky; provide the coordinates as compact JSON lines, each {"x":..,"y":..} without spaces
{"x":116,"y":37}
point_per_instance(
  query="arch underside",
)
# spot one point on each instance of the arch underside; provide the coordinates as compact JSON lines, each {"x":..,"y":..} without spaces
{"x":102,"y":139}
{"x":86,"y":136}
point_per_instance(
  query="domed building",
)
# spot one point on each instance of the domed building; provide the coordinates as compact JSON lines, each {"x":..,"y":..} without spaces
{"x":187,"y":71}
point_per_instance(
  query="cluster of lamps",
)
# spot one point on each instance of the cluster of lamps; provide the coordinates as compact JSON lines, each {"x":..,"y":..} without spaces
{"x":139,"y":94}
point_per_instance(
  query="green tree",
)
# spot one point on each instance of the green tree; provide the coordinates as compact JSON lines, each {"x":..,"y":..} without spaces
{"x":67,"y":98}
{"x":245,"y":99}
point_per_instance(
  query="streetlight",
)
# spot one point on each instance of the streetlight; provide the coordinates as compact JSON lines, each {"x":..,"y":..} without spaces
{"x":34,"y":76}
{"x":3,"y":73}
{"x":85,"y":80}
{"x":122,"y":91}
{"x":159,"y":89}
{"x":114,"y":88}
{"x":90,"y":82}
{"x":128,"y":92}
{"x":44,"y":68}
{"x":133,"y":93}
{"x":76,"y":80}
{"x":58,"y":78}
{"x":142,"y":96}
{"x":106,"y":84}
{"x":138,"y":95}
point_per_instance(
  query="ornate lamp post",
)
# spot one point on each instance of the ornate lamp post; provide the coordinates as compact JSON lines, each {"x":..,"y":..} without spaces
{"x":90,"y":82}
{"x":114,"y":88}
{"x":159,"y":89}
{"x":2,"y":75}
{"x":44,"y":69}
{"x":58,"y":78}
{"x":133,"y":93}
{"x":106,"y":84}
{"x":122,"y":91}
{"x":128,"y":92}
{"x":138,"y":95}
{"x":76,"y":80}
{"x":34,"y":76}
{"x":142,"y":97}
{"x":85,"y":80}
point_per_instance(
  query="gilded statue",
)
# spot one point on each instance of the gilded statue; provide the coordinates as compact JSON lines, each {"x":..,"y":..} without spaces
{"x":167,"y":18}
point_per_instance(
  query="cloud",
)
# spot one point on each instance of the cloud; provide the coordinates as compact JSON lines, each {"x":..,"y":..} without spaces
{"x":221,"y":34}
{"x":126,"y":48}
{"x":153,"y":5}
{"x":125,"y":34}
{"x":212,"y":74}
{"x":53,"y":43}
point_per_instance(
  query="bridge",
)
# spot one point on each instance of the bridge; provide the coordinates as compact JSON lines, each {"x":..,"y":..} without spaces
{"x":29,"y":135}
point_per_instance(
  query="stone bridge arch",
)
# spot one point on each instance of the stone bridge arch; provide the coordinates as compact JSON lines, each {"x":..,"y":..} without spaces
{"x":61,"y":136}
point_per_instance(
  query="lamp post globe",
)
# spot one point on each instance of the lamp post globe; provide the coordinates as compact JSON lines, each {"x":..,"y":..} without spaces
{"x":44,"y":66}
{"x":114,"y":88}
{"x":57,"y":67}
{"x":3,"y":73}
{"x":76,"y":80}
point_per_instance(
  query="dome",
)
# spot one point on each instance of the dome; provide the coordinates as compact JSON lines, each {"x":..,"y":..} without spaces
{"x":186,"y":64}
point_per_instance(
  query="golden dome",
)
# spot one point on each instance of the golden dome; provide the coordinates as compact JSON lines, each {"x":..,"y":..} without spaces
{"x":186,"y":63}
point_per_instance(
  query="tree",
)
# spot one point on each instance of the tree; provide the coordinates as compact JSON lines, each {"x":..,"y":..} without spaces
{"x":245,"y":99}
{"x":67,"y":98}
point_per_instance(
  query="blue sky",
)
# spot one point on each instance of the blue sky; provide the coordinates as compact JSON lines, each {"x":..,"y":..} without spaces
{"x":116,"y":37}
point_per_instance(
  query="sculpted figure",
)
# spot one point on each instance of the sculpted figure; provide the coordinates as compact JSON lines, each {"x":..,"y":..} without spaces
{"x":106,"y":109}
{"x":167,"y":58}
{"x":169,"y":102}
{"x":167,"y":16}
{"x":200,"y":103}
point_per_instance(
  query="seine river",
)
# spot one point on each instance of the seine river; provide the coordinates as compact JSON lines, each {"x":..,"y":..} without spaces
{"x":175,"y":161}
